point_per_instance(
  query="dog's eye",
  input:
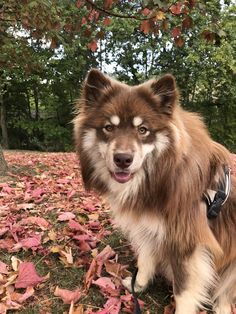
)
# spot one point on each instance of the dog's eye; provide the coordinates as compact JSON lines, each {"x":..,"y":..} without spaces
{"x":143,"y":130}
{"x":108,"y":128}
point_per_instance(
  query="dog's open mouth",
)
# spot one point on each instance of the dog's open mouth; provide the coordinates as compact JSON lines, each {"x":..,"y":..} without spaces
{"x":122,"y":176}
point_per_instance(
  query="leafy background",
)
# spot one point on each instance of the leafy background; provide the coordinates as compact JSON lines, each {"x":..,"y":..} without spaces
{"x":47,"y":47}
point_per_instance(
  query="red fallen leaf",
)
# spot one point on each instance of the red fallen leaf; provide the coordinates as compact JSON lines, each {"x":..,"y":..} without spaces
{"x":94,"y":225}
{"x":3,"y":231}
{"x":6,"y":244}
{"x":105,"y":283}
{"x":37,"y":193}
{"x":176,"y":31}
{"x":105,"y":254}
{"x":27,"y":276}
{"x":6,"y":188}
{"x":90,"y":274}
{"x":41,"y":222}
{"x":93,"y":46}
{"x":20,"y":298}
{"x":31,"y":242}
{"x":82,"y":237}
{"x":76,"y":226}
{"x":3,"y":308}
{"x":169,"y":309}
{"x":84,"y":246}
{"x":70,"y":194}
{"x":3,"y":269}
{"x":66,"y":216}
{"x":11,"y":305}
{"x":68,"y":296}
{"x":112,"y":306}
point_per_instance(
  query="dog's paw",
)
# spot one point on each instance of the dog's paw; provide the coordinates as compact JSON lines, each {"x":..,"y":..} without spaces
{"x":127,"y":284}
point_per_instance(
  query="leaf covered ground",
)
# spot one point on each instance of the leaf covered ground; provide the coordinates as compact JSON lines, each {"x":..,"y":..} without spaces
{"x":59,"y":249}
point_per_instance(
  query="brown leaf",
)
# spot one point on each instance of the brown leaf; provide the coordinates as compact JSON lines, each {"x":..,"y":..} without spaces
{"x":176,"y":31}
{"x":179,"y":41}
{"x":187,"y":22}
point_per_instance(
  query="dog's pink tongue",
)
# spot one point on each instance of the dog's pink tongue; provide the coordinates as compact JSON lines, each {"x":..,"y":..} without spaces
{"x":122,"y":177}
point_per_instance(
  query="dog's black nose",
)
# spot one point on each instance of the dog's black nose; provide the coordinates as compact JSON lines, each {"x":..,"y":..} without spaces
{"x":123,"y":160}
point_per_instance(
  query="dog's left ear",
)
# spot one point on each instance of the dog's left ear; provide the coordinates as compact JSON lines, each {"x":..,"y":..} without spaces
{"x":95,"y":84}
{"x":165,"y":88}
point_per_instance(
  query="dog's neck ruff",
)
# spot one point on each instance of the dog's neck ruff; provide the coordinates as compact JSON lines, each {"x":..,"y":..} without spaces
{"x":220,"y":196}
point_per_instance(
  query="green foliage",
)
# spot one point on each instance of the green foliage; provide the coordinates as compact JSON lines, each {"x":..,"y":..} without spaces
{"x":47,"y":47}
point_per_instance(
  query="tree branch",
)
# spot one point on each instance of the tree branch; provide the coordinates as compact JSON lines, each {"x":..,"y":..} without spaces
{"x":116,"y":14}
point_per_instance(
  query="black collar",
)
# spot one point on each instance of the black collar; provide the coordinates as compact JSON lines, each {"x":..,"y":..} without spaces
{"x":214,"y":206}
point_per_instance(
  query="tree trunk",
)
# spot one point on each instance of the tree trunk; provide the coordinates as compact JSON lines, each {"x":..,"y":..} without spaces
{"x":3,"y":123}
{"x":3,"y":164}
{"x":36,"y":100}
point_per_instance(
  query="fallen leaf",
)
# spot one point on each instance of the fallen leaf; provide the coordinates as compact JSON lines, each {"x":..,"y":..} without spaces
{"x":20,"y":298}
{"x":3,"y":268}
{"x":66,"y":216}
{"x":68,"y":296}
{"x":105,"y":283}
{"x":27,"y":276}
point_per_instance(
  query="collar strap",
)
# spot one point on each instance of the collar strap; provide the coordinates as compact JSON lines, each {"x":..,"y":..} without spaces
{"x":214,"y":206}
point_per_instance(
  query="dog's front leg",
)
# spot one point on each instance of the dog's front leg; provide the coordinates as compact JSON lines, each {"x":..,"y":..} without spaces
{"x":147,"y":262}
{"x":193,"y":278}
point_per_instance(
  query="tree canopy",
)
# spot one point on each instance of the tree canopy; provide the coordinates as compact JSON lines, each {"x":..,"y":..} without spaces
{"x":47,"y":47}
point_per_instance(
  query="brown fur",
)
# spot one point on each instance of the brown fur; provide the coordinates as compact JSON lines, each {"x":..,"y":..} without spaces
{"x":173,"y":188}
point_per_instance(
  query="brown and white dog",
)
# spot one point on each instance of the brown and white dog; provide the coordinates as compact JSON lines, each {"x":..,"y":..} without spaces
{"x":154,"y":161}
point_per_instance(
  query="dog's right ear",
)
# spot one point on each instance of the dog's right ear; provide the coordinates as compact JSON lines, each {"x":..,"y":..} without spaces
{"x":95,"y":85}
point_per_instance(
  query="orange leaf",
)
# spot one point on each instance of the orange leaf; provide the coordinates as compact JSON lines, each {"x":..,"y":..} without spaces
{"x":145,"y":27}
{"x":93,"y":46}
{"x":160,"y":15}
{"x":107,"y":21}
{"x":146,"y":11}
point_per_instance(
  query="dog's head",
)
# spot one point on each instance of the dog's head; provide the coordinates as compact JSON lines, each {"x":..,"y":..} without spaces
{"x":120,"y":126}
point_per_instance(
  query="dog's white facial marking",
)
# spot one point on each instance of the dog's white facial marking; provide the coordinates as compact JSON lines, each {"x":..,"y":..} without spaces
{"x":162,"y":142}
{"x":89,"y":139}
{"x":147,"y":148}
{"x":137,"y":121}
{"x":115,"y":120}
